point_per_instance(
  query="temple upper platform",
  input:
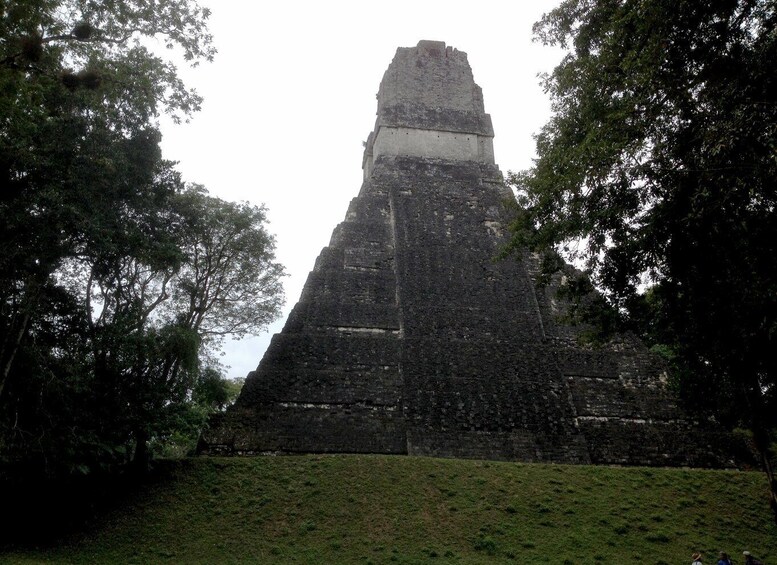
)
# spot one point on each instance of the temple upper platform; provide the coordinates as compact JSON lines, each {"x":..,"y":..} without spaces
{"x":429,"y":106}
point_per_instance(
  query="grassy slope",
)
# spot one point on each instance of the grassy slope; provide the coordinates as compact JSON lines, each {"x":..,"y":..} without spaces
{"x":362,"y":509}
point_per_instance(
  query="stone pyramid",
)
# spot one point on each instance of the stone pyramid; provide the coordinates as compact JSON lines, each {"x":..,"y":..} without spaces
{"x":410,"y":338}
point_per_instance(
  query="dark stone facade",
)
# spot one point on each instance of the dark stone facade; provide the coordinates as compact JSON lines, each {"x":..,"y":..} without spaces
{"x":410,"y":338}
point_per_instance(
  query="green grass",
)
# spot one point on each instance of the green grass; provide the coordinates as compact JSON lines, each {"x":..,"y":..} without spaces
{"x":380,"y":509}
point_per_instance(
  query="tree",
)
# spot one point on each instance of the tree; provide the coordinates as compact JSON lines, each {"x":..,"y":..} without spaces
{"x":112,"y":273}
{"x":76,"y":80}
{"x":161,"y":313}
{"x":658,"y":171}
{"x":229,"y":283}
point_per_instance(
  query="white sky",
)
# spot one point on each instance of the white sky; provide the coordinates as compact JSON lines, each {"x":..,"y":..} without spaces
{"x":291,"y":97}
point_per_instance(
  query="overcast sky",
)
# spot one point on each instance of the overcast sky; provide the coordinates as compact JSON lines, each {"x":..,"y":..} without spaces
{"x":290,"y":98}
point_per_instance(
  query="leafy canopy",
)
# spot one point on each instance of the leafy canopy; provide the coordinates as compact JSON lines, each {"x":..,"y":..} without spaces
{"x":116,"y":280}
{"x":658,"y":170}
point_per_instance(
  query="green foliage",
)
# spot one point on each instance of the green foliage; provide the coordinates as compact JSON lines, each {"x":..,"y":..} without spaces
{"x":228,"y":282}
{"x":101,"y":47}
{"x":121,"y":358}
{"x":657,"y":170}
{"x":116,"y":280}
{"x":354,"y":509}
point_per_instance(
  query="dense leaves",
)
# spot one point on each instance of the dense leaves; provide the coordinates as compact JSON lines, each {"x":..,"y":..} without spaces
{"x":658,"y":172}
{"x":116,"y":280}
{"x":228,"y":279}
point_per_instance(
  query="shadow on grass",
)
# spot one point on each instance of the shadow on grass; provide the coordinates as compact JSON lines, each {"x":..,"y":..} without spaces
{"x":40,"y":513}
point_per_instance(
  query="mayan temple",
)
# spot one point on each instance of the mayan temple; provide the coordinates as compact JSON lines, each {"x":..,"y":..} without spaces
{"x":410,"y":338}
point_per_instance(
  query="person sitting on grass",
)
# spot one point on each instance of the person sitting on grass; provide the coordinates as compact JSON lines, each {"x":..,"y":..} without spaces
{"x":750,"y":560}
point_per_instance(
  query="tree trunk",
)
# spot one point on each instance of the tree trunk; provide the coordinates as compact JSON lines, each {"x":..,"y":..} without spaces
{"x":763,"y":442}
{"x":18,"y":327}
{"x":141,"y":458}
{"x":9,"y":354}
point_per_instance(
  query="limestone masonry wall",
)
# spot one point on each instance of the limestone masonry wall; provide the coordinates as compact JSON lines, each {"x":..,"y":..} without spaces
{"x":430,"y":106}
{"x":409,"y":337}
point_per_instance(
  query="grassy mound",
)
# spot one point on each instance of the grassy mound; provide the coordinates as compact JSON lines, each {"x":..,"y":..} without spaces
{"x":381,"y":509}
